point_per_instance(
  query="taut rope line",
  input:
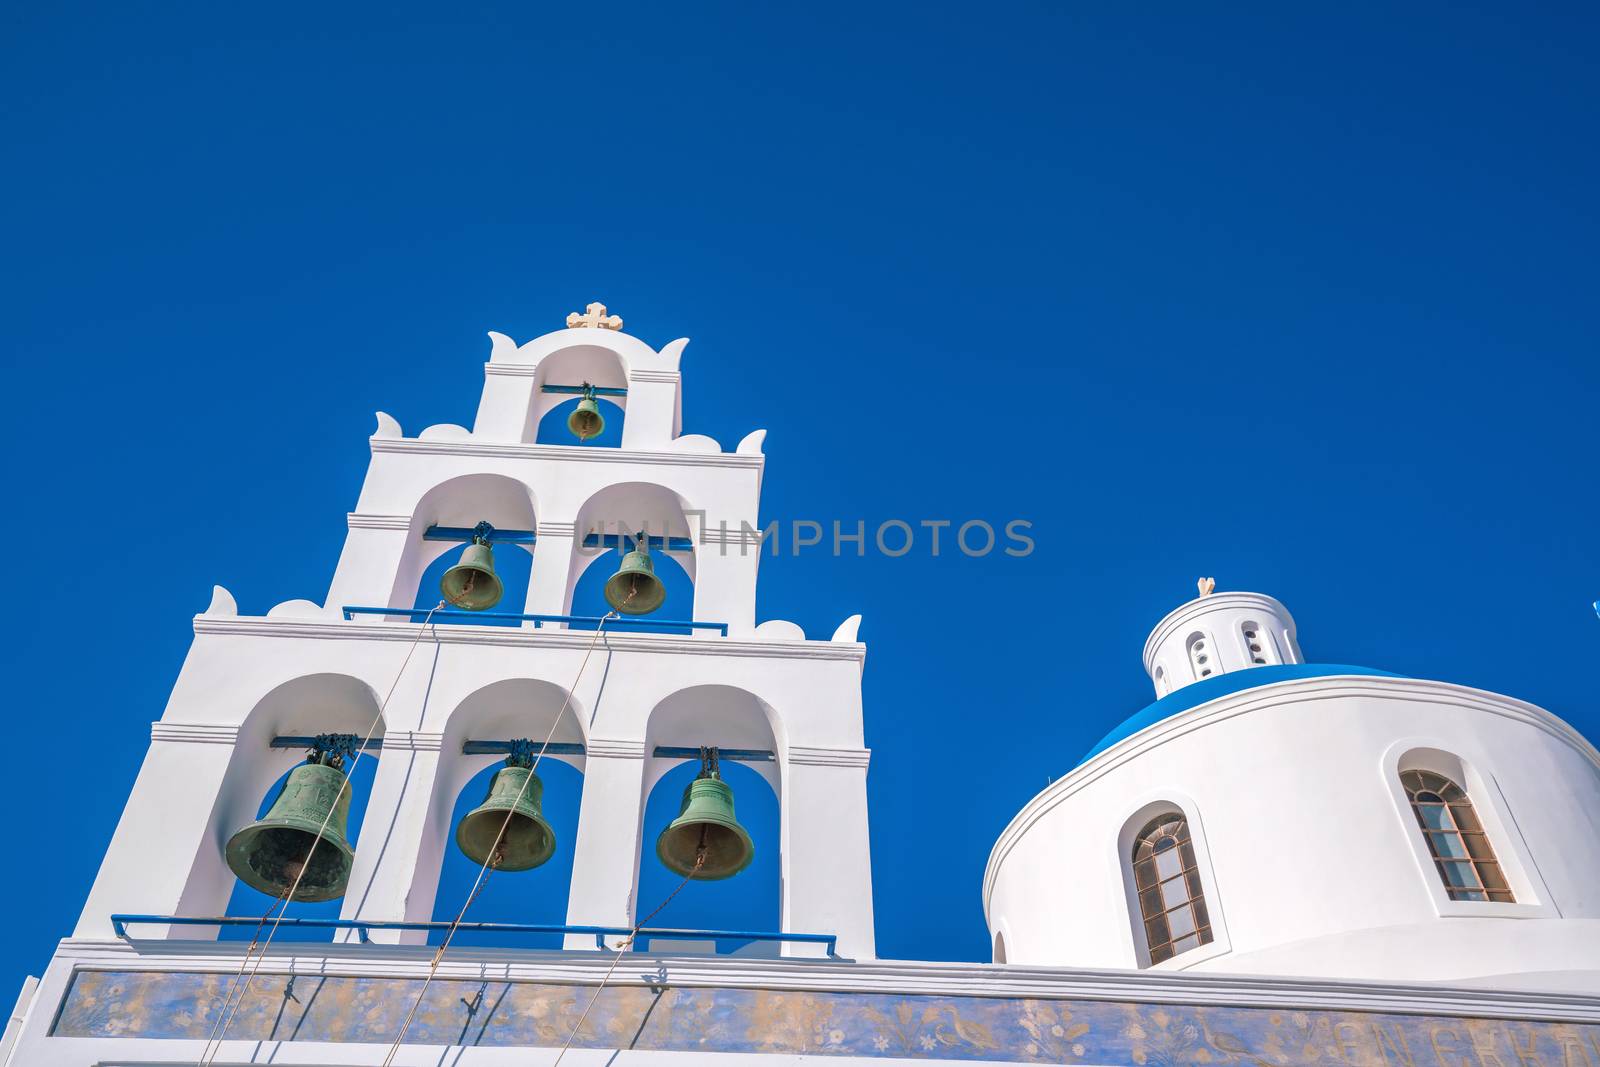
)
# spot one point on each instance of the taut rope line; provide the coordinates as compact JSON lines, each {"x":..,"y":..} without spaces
{"x":494,"y":853}
{"x":208,"y":1054}
{"x":627,"y":942}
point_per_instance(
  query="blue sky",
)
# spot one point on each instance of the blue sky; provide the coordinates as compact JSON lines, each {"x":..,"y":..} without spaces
{"x":1299,"y":298}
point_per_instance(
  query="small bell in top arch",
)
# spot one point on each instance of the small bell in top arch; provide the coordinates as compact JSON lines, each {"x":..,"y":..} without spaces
{"x":706,"y":822}
{"x":472,"y":583}
{"x":586,"y":421}
{"x":282,"y":851}
{"x":635,"y":589}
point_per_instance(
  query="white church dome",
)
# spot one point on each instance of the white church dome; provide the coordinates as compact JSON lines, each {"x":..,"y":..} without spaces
{"x":1267,"y":815}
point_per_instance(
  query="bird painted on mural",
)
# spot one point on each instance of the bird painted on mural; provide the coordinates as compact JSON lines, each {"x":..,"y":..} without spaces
{"x":975,"y":1034}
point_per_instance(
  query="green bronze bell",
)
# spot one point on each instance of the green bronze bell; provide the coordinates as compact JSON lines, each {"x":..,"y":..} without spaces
{"x":270,"y":853}
{"x":635,"y":589}
{"x":706,"y":821}
{"x":586,"y":421}
{"x":528,"y":839}
{"x":472,"y":583}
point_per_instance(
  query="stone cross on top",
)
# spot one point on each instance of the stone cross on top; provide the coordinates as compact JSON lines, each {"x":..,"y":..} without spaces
{"x":594,"y":315}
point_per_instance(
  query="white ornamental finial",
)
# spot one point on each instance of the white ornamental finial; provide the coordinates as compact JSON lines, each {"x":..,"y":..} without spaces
{"x":594,"y":315}
{"x":1207,"y":585}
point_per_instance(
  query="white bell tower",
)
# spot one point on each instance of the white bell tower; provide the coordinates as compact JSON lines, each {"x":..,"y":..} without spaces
{"x":309,"y":667}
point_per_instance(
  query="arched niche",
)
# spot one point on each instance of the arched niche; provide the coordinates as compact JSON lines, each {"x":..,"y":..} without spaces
{"x":627,"y":508}
{"x":301,"y":707}
{"x":721,"y":715}
{"x":503,"y":502}
{"x":501,"y":711}
{"x":574,"y":365}
{"x":728,"y":718}
{"x":539,"y":895}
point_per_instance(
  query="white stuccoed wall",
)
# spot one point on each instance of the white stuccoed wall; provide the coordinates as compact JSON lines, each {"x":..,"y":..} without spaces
{"x":303,"y":669}
{"x":1311,"y":859}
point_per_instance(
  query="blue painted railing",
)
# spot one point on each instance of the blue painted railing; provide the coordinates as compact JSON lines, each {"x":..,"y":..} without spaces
{"x":120,"y":924}
{"x":446,"y":615}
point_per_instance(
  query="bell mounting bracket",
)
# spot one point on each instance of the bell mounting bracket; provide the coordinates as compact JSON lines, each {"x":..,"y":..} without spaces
{"x":331,"y":750}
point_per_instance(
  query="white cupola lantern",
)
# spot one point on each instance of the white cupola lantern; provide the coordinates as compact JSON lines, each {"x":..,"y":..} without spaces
{"x":1217,"y":633}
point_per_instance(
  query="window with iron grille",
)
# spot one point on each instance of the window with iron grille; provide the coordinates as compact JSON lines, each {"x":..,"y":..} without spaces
{"x":1170,"y":899}
{"x":1456,"y":839}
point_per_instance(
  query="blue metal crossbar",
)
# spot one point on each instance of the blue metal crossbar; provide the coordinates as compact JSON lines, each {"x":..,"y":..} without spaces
{"x":500,"y":748}
{"x":624,"y":542}
{"x":577,"y":390}
{"x":493,"y":535}
{"x":468,"y":748}
{"x":446,"y":615}
{"x":555,"y":748}
{"x":120,"y":924}
{"x":738,"y":755}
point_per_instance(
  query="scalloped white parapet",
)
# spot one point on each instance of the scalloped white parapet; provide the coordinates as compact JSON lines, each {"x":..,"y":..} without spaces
{"x":445,"y":431}
{"x":751,"y":445}
{"x":222,"y":602}
{"x":694,"y":443}
{"x":848,"y":629}
{"x":299,"y":609}
{"x":387,"y":426}
{"x":672,"y":353}
{"x":501,"y":348}
{"x":779,"y":630}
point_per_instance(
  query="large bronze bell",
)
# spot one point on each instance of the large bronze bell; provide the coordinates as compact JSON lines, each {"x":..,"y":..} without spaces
{"x":586,"y":421}
{"x":635,"y":589}
{"x":528,"y":840}
{"x":706,"y":821}
{"x":270,"y":853}
{"x":472,"y":583}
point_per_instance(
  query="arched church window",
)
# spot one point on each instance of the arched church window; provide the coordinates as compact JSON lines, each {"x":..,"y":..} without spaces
{"x":1202,"y":657}
{"x":1456,"y":839}
{"x":1171,"y":902}
{"x":1258,"y":647}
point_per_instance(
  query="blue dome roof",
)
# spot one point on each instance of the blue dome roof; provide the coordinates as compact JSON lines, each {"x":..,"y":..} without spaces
{"x":1197,"y":693}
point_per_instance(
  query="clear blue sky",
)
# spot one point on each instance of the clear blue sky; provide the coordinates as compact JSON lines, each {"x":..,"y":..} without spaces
{"x":1304,"y":299}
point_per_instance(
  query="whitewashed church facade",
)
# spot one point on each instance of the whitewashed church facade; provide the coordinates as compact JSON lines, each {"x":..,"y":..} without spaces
{"x":1292,"y":798}
{"x":1236,"y":875}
